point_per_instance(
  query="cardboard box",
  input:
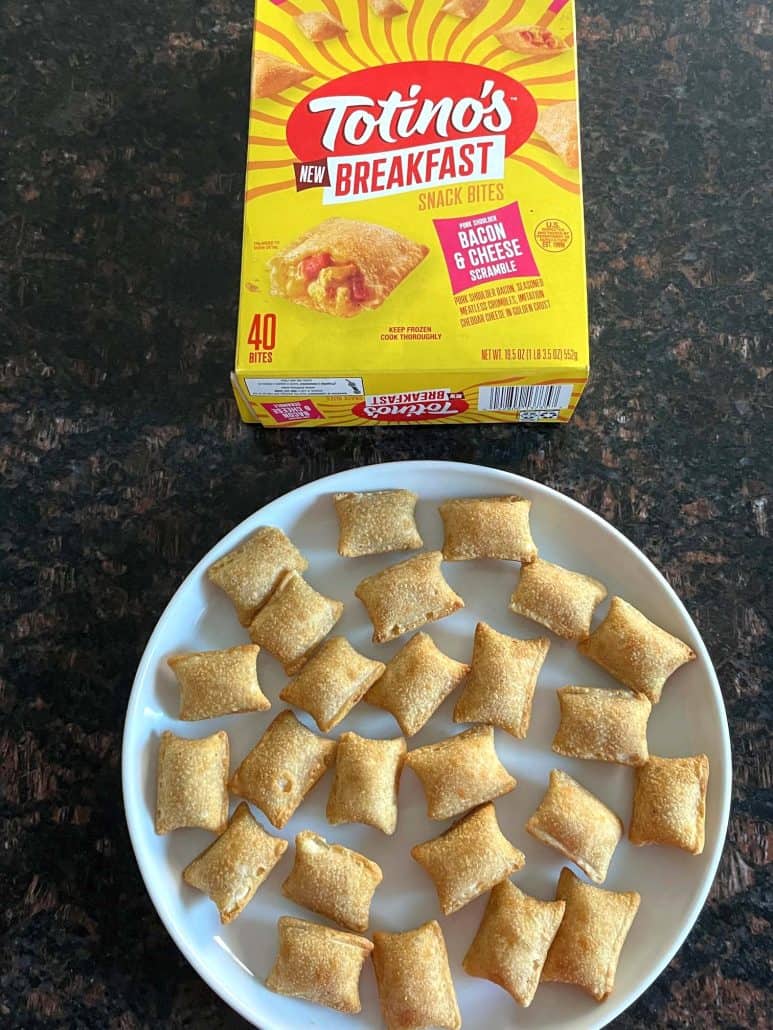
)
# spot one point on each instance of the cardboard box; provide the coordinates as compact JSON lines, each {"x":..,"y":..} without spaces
{"x":413,"y":245}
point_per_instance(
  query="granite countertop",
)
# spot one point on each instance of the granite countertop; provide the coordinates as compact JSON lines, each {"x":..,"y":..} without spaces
{"x":123,"y":460}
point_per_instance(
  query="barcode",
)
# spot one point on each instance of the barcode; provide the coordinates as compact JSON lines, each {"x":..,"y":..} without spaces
{"x":544,"y":397}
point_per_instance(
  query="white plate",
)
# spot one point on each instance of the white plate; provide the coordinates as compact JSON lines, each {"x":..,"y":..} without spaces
{"x":235,"y":959}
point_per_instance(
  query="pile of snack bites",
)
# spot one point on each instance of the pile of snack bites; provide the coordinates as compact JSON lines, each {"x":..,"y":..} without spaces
{"x":575,"y":939}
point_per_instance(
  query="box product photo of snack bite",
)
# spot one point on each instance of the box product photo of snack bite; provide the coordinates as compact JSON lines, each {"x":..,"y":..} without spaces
{"x":413,"y":247}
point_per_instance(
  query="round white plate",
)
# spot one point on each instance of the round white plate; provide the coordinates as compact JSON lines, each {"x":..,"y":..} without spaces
{"x":235,"y":959}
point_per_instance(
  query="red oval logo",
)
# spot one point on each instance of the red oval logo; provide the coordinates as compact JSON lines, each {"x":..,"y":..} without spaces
{"x":410,"y":411}
{"x":410,"y":104}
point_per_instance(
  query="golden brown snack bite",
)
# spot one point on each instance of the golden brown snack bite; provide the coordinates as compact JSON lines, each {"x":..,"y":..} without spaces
{"x":294,"y":622}
{"x":333,"y":881}
{"x":468,"y":859}
{"x":387,"y":8}
{"x":634,"y":650}
{"x":281,"y":769}
{"x":530,"y":39}
{"x":249,"y":573}
{"x":332,"y":682}
{"x":318,"y":964}
{"x":319,"y":26}
{"x":461,"y":772}
{"x":416,"y":682}
{"x":587,"y":947}
{"x":669,"y":803}
{"x":232,"y":868}
{"x":606,"y":725}
{"x":463,"y":8}
{"x":191,"y":783}
{"x":574,"y":821}
{"x":415,"y":987}
{"x":487,"y":527}
{"x":512,"y":941}
{"x":563,"y":601}
{"x":376,"y":522}
{"x":367,"y":777}
{"x":272,"y":75}
{"x":214,"y":683}
{"x":503,"y":675}
{"x":404,"y":596}
{"x":557,"y":124}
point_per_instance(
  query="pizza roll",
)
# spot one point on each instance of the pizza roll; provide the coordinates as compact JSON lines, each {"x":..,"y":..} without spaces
{"x":512,"y":941}
{"x":608,"y":725}
{"x":249,"y":573}
{"x":404,"y":596}
{"x":557,"y":598}
{"x":635,"y":651}
{"x":316,"y":963}
{"x":272,"y":75}
{"x":367,"y":777}
{"x":332,"y":682}
{"x":376,"y":522}
{"x":319,"y":26}
{"x":387,"y":8}
{"x":232,"y":868}
{"x":414,"y":981}
{"x":332,"y":880}
{"x":500,"y":688}
{"x":587,"y":947}
{"x":459,"y":773}
{"x":216,"y":683}
{"x":557,"y":124}
{"x":416,"y":682}
{"x":530,"y":39}
{"x":468,"y":859}
{"x":463,"y":8}
{"x":191,"y":783}
{"x":487,"y":527}
{"x":669,"y":803}
{"x":342,"y":267}
{"x":574,"y":821}
{"x":294,"y":621}
{"x":281,"y":769}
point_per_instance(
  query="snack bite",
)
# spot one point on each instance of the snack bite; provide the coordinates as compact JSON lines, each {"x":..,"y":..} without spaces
{"x":318,"y":964}
{"x":574,"y":821}
{"x":367,"y":777}
{"x":606,"y":725}
{"x":503,"y":675}
{"x":318,"y":26}
{"x":214,"y":683}
{"x":191,"y":783}
{"x":669,"y":803}
{"x":416,"y":682}
{"x":563,"y":601}
{"x":333,"y":881}
{"x":376,"y":522}
{"x":249,"y":573}
{"x":587,"y":946}
{"x":332,"y":682}
{"x":294,"y":622}
{"x":415,"y":987}
{"x":513,"y":939}
{"x":405,"y":596}
{"x":468,"y":859}
{"x":487,"y":527}
{"x":235,"y":865}
{"x":282,"y":768}
{"x":461,"y":772}
{"x":639,"y":654}
{"x":272,"y":75}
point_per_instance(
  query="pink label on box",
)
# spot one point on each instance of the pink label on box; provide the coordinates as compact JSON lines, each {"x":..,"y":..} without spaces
{"x":293,"y":411}
{"x":487,"y":246}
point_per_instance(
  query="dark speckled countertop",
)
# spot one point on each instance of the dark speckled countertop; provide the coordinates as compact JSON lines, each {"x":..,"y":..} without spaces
{"x":122,"y":127}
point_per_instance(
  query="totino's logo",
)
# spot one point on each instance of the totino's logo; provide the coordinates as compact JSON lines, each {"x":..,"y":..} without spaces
{"x":415,"y":406}
{"x":404,"y":127}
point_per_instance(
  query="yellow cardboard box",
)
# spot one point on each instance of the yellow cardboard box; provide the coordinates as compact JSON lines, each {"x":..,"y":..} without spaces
{"x":413,"y":246}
